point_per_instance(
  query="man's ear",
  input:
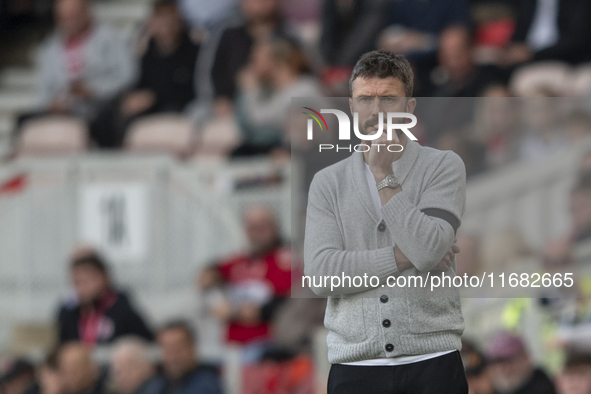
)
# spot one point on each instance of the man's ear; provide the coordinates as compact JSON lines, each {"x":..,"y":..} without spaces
{"x":411,"y":105}
{"x":351,"y":105}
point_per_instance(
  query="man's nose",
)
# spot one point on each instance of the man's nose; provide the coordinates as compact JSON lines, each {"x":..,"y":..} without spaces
{"x":376,"y":108}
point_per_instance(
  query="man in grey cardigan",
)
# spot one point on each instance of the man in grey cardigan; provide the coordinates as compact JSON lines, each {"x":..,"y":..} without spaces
{"x":388,"y":214}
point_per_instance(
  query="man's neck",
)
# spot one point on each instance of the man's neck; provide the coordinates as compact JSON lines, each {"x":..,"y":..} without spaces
{"x":265,"y":251}
{"x":75,"y":36}
{"x":284,"y":77}
{"x":90,"y":389}
{"x":403,"y":140}
{"x":188,"y":371}
{"x":262,"y":29}
{"x":167,"y":47}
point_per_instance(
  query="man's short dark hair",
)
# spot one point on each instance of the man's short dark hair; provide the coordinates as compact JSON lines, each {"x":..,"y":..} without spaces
{"x":164,"y":5}
{"x":576,"y":358}
{"x":384,"y":64}
{"x":93,"y":260}
{"x":180,"y":325}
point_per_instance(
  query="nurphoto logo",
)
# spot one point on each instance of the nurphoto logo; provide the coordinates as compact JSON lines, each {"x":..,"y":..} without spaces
{"x":394,"y":121}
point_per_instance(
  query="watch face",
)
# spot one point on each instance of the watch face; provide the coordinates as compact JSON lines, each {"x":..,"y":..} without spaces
{"x":391,"y":181}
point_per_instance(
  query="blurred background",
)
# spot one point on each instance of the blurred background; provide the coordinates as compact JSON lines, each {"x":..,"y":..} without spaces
{"x":146,"y":184}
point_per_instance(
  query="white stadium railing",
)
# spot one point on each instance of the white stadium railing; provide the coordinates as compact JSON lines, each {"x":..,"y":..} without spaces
{"x":532,"y":197}
{"x":157,"y":220}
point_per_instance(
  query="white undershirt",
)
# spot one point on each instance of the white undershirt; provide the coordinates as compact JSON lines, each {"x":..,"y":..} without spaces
{"x":375,"y":196}
{"x":373,"y":190}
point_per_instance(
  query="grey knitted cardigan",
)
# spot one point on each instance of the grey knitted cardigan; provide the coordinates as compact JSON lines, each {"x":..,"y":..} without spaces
{"x":343,"y":237}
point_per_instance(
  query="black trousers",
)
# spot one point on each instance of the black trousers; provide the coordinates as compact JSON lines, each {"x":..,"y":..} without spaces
{"x":439,"y":375}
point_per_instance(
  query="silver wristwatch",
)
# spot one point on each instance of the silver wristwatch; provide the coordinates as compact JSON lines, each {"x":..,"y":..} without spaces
{"x":389,"y":181}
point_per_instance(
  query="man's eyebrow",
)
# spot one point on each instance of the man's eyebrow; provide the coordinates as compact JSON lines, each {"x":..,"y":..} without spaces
{"x":380,"y":95}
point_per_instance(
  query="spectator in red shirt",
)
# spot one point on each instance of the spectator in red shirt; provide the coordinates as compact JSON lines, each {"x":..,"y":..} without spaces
{"x":255,"y":284}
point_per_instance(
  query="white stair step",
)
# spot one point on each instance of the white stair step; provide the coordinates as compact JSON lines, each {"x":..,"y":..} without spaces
{"x":14,"y":102}
{"x":6,"y":124}
{"x":122,"y":13}
{"x":17,"y":78}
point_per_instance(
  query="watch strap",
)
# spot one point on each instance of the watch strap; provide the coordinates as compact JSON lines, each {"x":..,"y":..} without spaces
{"x":386,"y":182}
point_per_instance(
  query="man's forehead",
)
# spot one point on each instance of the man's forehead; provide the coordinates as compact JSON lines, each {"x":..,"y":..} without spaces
{"x":380,"y":87}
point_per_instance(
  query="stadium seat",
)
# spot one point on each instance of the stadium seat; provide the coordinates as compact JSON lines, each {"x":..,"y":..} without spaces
{"x":32,"y":338}
{"x":218,"y":138}
{"x":581,"y":80}
{"x":531,"y":80}
{"x":170,"y":133}
{"x":52,"y":135}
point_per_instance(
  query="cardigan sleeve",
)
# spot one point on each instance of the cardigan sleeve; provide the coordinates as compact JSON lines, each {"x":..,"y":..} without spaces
{"x":425,"y":239}
{"x":325,"y":254}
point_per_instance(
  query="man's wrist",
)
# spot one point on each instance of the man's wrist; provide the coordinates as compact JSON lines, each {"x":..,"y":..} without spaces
{"x":380,"y":173}
{"x":402,"y":262}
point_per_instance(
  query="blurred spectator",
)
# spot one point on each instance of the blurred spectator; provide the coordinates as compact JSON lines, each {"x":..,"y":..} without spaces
{"x":19,"y":377}
{"x":471,"y":151}
{"x":575,"y":332}
{"x":48,"y":377}
{"x":98,"y":314}
{"x":585,"y":165}
{"x":78,"y":372}
{"x":132,"y":369}
{"x":166,"y":80}
{"x":211,"y":330}
{"x":276,"y":73}
{"x":262,"y":21}
{"x":550,"y":29}
{"x":541,"y":131}
{"x":494,"y":25}
{"x":82,"y":64}
{"x":496,"y":90}
{"x":580,"y":207}
{"x":461,"y":77}
{"x":182,"y":372}
{"x":349,"y":29}
{"x":557,"y":257}
{"x":512,"y":370}
{"x":280,"y":375}
{"x":477,"y":373}
{"x":297,"y":321}
{"x":505,"y":249}
{"x":496,"y":126}
{"x":578,"y":126}
{"x":257,"y":283}
{"x":414,"y":26}
{"x":207,"y":14}
{"x":575,"y":377}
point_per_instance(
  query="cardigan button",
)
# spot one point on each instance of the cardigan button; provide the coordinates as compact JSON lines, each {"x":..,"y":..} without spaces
{"x":384,"y":299}
{"x":382,"y":226}
{"x":386,"y":323}
{"x":389,"y":347}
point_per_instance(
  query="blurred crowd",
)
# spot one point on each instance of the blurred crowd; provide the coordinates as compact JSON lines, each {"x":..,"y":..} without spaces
{"x":245,"y":305}
{"x":540,"y":344}
{"x":104,"y":344}
{"x":232,"y":66}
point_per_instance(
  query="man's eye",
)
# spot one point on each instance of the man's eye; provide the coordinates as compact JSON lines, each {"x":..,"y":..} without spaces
{"x":366,"y":99}
{"x":389,"y":100}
